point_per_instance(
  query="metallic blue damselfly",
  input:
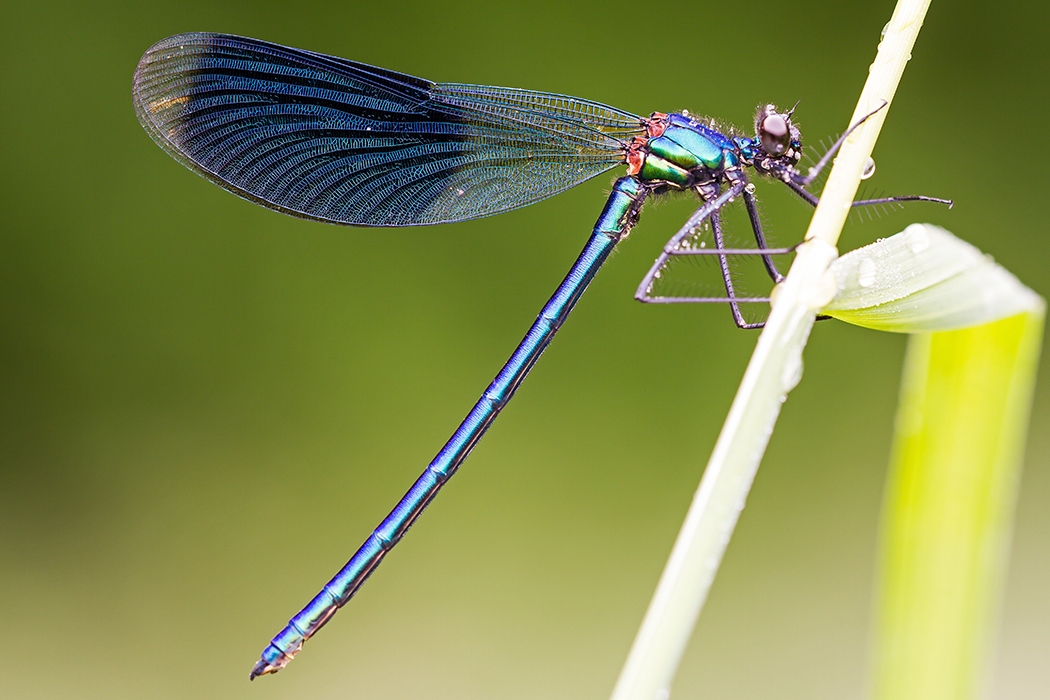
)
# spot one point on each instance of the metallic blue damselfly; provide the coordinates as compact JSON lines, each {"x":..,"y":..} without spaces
{"x":331,"y":140}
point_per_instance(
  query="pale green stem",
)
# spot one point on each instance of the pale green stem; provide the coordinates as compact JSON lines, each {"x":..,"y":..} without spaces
{"x":775,"y":368}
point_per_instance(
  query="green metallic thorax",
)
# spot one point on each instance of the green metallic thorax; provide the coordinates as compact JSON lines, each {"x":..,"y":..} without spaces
{"x":687,"y":152}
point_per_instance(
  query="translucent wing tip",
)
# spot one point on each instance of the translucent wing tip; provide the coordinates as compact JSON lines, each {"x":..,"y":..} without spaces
{"x":160,"y":89}
{"x":148,"y":98}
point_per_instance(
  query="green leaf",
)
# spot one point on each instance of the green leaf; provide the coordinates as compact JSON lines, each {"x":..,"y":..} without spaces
{"x":925,"y":279}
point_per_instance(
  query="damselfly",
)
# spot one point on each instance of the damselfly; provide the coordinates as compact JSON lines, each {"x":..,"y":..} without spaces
{"x":328,"y":139}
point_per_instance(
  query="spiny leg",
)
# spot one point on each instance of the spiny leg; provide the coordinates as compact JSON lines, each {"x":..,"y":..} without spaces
{"x":727,"y":276}
{"x":760,"y":239}
{"x":798,"y":182}
{"x":713,"y":202}
{"x":813,"y":199}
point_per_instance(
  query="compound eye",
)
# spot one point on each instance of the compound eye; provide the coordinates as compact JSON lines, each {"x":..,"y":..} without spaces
{"x":775,"y":134}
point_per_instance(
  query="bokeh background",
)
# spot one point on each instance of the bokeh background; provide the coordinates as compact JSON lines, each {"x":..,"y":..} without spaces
{"x":206,"y":406}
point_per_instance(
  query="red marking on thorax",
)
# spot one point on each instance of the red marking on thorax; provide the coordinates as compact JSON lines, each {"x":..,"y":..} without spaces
{"x":635,"y":152}
{"x":635,"y":155}
{"x":655,"y":124}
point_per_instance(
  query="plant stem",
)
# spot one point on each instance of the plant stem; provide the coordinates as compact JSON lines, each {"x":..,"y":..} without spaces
{"x":775,"y":368}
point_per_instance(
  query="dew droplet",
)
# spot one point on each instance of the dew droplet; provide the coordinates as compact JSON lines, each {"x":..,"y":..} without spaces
{"x":791,"y":374}
{"x":869,"y":169}
{"x":866,"y":272}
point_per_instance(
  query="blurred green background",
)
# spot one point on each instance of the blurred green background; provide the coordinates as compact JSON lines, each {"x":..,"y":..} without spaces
{"x":206,"y":406}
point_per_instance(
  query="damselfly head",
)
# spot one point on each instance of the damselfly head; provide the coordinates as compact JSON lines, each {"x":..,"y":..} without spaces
{"x":778,"y":136}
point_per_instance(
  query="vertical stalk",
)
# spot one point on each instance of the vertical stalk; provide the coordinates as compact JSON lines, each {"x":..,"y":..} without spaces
{"x":775,"y":368}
